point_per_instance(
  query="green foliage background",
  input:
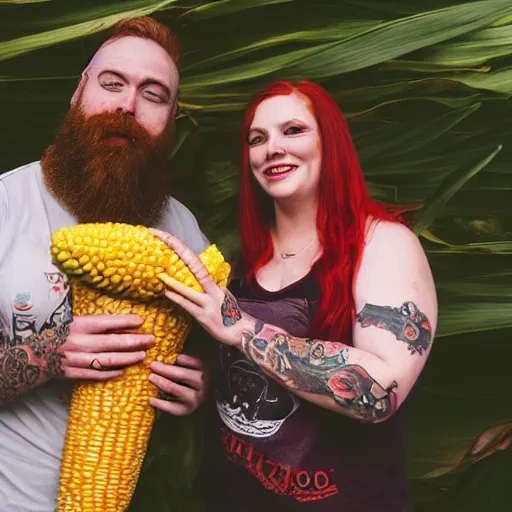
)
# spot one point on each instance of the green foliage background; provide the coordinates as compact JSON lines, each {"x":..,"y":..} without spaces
{"x":426,"y":87}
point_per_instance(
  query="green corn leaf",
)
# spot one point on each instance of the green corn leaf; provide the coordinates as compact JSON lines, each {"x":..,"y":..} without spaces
{"x":455,"y":318}
{"x":403,"y":139}
{"x":393,"y":39}
{"x":23,"y":1}
{"x":446,"y":190}
{"x":16,"y":47}
{"x":329,"y":33}
{"x":225,"y":7}
{"x":499,"y":81}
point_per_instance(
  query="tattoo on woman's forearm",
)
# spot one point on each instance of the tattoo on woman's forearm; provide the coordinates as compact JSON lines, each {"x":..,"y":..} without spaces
{"x":407,"y":323}
{"x":319,"y":367}
{"x":230,"y":310}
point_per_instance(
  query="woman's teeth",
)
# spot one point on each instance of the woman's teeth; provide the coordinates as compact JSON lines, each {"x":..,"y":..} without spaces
{"x":279,"y":170}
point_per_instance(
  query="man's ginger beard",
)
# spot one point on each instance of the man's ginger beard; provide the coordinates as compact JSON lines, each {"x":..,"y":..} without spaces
{"x":98,"y":182}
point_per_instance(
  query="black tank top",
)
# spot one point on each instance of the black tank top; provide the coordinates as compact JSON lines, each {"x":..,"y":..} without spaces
{"x":271,"y":451}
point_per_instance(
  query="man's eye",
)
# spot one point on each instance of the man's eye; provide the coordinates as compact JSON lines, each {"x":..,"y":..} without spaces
{"x":153,"y":96}
{"x":293,"y":130}
{"x":112,"y":85}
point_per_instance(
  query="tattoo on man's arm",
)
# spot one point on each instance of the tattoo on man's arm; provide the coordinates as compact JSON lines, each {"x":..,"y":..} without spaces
{"x":230,"y":310}
{"x":18,"y":374}
{"x":407,"y":323}
{"x":319,"y":367}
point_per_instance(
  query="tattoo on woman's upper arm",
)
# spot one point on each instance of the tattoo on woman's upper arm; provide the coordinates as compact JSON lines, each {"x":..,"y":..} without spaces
{"x":406,"y":322}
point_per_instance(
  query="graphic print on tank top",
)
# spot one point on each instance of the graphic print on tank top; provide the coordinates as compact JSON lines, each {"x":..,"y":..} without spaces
{"x":250,"y":402}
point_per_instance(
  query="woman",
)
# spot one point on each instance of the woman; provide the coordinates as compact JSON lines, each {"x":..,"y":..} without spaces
{"x":326,"y":332}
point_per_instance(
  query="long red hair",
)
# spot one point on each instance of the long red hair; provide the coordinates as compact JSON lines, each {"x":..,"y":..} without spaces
{"x":344,"y":207}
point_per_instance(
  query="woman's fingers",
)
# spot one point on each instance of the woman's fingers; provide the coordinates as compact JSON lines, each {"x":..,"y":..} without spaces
{"x":189,"y":258}
{"x":184,"y":303}
{"x":198,"y":298}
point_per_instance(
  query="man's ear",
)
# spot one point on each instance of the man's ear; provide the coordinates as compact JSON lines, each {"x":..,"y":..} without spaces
{"x":77,"y":95}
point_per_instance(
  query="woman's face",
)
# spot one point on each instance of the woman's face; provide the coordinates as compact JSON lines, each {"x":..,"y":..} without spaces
{"x":285,"y":151}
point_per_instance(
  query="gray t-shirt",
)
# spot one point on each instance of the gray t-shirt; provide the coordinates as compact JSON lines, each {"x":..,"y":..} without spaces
{"x":34,"y":297}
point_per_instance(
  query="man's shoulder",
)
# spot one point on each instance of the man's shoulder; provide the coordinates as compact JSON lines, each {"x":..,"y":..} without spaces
{"x":20,"y":173}
{"x":182,"y":223}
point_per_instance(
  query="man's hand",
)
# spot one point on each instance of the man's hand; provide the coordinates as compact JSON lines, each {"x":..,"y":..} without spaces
{"x":94,"y":350}
{"x":182,"y":385}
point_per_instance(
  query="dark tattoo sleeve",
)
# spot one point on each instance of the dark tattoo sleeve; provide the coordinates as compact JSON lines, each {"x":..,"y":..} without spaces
{"x":22,"y":366}
{"x":407,"y":323}
{"x":230,"y":310}
{"x":321,"y":367}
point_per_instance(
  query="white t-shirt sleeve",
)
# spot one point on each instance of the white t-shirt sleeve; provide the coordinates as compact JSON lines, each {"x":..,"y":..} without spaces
{"x":180,"y":221}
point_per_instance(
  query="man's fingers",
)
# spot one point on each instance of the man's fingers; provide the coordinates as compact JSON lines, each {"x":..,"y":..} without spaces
{"x":105,"y":360}
{"x":108,"y":343}
{"x":182,"y":393}
{"x":87,"y":374}
{"x":188,"y":376}
{"x":97,"y":324}
{"x":174,"y":408}
{"x":189,"y":362}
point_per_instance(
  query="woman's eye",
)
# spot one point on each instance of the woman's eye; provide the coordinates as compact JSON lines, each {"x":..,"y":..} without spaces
{"x":293,"y":130}
{"x":255,"y":140}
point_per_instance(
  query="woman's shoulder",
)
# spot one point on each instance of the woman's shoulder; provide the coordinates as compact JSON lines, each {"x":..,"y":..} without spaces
{"x":389,"y":240}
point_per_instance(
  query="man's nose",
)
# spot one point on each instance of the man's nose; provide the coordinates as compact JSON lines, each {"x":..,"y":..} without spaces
{"x":127,"y":103}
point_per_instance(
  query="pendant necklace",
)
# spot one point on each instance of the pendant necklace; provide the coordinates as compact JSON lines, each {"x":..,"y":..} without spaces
{"x":286,"y":255}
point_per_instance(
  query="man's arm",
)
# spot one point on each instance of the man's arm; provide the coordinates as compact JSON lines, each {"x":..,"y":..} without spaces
{"x":23,"y":367}
{"x":392,"y":336}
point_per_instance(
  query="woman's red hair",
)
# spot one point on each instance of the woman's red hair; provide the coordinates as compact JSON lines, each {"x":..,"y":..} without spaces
{"x":344,"y":207}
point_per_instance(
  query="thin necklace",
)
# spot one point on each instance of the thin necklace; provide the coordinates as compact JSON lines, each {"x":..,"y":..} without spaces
{"x":286,"y":255}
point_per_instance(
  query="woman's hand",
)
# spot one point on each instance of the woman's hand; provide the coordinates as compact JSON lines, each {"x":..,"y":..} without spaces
{"x":182,"y":385}
{"x":216,"y":310}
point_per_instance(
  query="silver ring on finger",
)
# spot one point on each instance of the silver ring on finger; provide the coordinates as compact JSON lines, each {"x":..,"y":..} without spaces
{"x":96,"y":365}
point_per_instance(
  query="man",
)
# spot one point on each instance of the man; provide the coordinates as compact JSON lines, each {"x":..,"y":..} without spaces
{"x":108,"y":163}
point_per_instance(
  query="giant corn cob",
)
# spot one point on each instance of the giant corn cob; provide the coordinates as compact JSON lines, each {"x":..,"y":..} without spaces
{"x":113,"y":269}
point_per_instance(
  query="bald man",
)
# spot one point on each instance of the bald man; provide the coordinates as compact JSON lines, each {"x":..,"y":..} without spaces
{"x":109,"y":162}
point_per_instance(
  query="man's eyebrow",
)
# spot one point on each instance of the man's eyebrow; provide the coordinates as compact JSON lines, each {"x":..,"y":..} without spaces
{"x":148,"y":81}
{"x":112,"y":72}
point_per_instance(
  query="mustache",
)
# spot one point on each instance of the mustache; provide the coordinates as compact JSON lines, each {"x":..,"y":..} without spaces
{"x":100,"y":126}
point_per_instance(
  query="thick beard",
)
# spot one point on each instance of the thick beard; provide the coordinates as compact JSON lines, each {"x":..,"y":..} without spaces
{"x":99,"y":182}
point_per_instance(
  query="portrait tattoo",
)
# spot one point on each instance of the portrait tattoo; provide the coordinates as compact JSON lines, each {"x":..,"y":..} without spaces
{"x":407,"y":323}
{"x":321,"y":367}
{"x":230,"y":310}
